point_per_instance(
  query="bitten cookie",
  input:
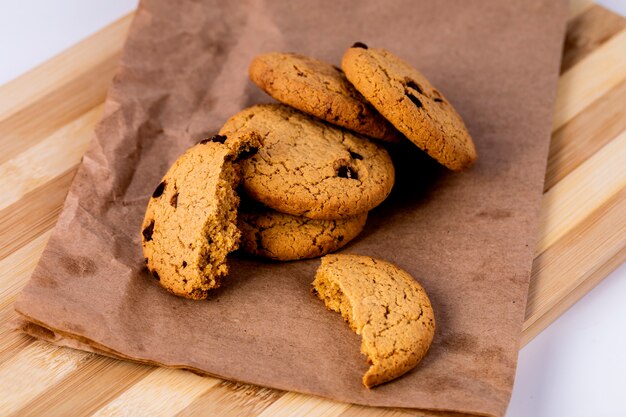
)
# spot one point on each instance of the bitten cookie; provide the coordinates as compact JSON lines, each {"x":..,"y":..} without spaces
{"x":309,"y":168}
{"x":384,"y":305}
{"x":190,"y":224}
{"x":406,"y":98}
{"x":283,"y":237}
{"x":321,"y":90}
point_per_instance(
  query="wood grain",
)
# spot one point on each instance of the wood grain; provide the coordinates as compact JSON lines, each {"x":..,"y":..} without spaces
{"x":587,"y":31}
{"x":599,"y":240}
{"x":35,"y":213}
{"x":230,"y":399}
{"x":161,"y":392}
{"x":46,"y":117}
{"x":582,"y":191}
{"x":590,"y":79}
{"x":585,"y":134}
{"x":47,"y":159}
{"x":97,"y":383}
{"x":34,"y":370}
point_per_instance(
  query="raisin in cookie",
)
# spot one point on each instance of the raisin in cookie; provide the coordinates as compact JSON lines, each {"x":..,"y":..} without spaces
{"x":283,"y":237}
{"x":309,"y":168}
{"x":321,"y":90}
{"x":384,"y":305}
{"x":190,"y":224}
{"x":406,"y":98}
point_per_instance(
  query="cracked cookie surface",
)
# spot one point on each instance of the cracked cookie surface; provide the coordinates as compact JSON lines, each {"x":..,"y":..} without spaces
{"x":384,"y":305}
{"x":190,"y":224}
{"x":283,"y":237}
{"x":405,"y":97}
{"x":309,"y":168}
{"x":321,"y":90}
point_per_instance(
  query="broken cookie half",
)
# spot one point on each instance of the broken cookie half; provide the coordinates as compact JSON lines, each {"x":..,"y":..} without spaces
{"x":385,"y":306}
{"x":190,"y":225}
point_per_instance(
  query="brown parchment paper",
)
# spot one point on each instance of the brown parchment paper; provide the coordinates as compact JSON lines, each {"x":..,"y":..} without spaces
{"x":467,"y":237}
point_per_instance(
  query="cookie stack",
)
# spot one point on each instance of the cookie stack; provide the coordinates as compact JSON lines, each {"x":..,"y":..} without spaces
{"x":315,"y":183}
{"x":307,"y":171}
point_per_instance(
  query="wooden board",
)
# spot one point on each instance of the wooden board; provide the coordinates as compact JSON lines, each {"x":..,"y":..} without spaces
{"x":46,"y":118}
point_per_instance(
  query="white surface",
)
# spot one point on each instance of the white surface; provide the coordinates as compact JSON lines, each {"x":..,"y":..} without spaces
{"x":575,"y":368}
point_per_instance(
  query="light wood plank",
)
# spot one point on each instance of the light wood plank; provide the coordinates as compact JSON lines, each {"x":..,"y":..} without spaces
{"x":62,"y":69}
{"x":587,"y":31}
{"x":164,"y":392}
{"x":93,"y":385}
{"x":581,"y":192}
{"x":33,"y":214}
{"x":585,"y":134}
{"x":569,"y":262}
{"x":35,"y":123}
{"x":300,"y":405}
{"x":580,"y":86}
{"x":12,"y":342}
{"x":47,"y":159}
{"x":589,"y":280}
{"x":230,"y":399}
{"x":67,"y":86}
{"x":360,"y":411}
{"x":39,"y":366}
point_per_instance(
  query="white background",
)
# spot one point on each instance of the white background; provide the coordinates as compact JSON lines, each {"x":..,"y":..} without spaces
{"x":574,"y":368}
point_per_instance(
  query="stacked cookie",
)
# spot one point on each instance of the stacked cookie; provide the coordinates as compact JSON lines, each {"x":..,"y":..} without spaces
{"x":307,"y":172}
{"x":312,"y":183}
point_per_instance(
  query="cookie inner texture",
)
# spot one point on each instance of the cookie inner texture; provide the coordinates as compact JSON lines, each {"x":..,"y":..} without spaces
{"x":222,"y":234}
{"x":205,"y":263}
{"x":333,"y":297}
{"x":191,"y":261}
{"x":327,"y":290}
